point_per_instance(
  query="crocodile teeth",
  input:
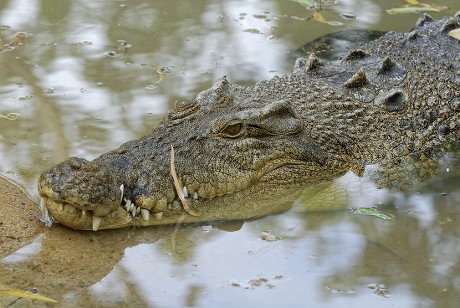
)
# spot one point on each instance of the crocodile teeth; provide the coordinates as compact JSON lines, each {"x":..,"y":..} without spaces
{"x":133,"y":211}
{"x":46,"y":217}
{"x":145,"y":214}
{"x":158,"y":215}
{"x":195,"y":196}
{"x":96,"y":223}
{"x":61,"y":206}
{"x":184,"y":190}
{"x":122,"y":188}
{"x":138,"y":211}
{"x":83,"y":212}
{"x":129,"y":205}
{"x":42,"y":204}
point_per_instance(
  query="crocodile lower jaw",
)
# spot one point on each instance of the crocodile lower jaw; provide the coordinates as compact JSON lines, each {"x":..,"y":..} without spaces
{"x":130,"y":214}
{"x":127,"y":214}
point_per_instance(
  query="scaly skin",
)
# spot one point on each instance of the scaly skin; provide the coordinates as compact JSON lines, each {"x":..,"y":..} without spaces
{"x":395,"y":97}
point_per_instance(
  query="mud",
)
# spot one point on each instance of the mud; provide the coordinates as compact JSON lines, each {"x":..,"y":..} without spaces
{"x":20,"y":217}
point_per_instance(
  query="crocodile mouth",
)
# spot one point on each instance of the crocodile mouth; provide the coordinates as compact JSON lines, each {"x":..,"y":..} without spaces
{"x":130,"y":213}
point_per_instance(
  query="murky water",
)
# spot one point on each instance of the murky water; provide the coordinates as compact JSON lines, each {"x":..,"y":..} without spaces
{"x":94,"y":74}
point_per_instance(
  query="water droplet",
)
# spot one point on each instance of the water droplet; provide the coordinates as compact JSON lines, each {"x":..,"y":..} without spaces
{"x":206,"y":229}
{"x":111,"y":54}
{"x":25,"y":97}
{"x":252,"y":30}
{"x":151,"y":86}
{"x":348,"y":16}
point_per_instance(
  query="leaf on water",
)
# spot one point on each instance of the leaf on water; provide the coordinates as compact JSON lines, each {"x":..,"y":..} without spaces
{"x":306,"y":3}
{"x":161,"y":73}
{"x":373,"y":212}
{"x":318,"y":17}
{"x":455,"y":34}
{"x":19,"y":293}
{"x":417,"y":8}
{"x":10,"y":116}
{"x":413,"y":2}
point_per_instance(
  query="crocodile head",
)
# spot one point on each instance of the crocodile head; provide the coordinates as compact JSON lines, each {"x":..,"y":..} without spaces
{"x":229,"y":146}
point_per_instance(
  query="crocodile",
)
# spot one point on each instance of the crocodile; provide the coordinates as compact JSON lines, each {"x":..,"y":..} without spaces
{"x":395,"y":97}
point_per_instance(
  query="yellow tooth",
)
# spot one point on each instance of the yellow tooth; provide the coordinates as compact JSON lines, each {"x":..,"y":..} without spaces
{"x":158,"y":216}
{"x":96,"y":222}
{"x":42,"y":204}
{"x":145,"y":214}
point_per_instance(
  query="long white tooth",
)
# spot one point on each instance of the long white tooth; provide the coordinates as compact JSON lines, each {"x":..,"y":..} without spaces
{"x":42,"y":204}
{"x":122,"y":188}
{"x":46,"y":217}
{"x":195,"y":196}
{"x":128,"y":205}
{"x":138,"y":210}
{"x":96,"y":223}
{"x":83,"y":212}
{"x":184,"y":190}
{"x":133,"y":211}
{"x":158,"y":215}
{"x":145,"y":214}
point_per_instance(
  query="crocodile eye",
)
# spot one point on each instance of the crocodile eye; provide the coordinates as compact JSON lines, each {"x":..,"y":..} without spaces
{"x":233,"y":129}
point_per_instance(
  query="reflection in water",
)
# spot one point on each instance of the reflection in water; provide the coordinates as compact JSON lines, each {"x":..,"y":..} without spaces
{"x":74,"y":100}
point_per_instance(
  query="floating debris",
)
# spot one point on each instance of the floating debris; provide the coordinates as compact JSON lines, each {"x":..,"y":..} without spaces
{"x":380,"y":289}
{"x":417,"y":7}
{"x":252,"y":30}
{"x":372,"y":211}
{"x":10,"y":116}
{"x":320,"y":18}
{"x":17,"y":41}
{"x":309,"y":4}
{"x":268,"y":237}
{"x":254,"y":283}
{"x":340,"y":291}
{"x":83,"y":43}
{"x":25,"y":97}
